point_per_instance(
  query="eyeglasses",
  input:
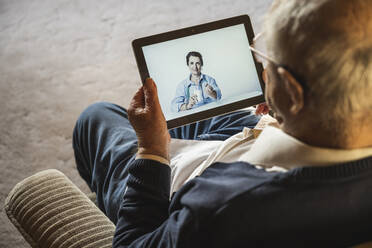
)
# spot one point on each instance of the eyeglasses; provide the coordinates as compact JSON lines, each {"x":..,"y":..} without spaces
{"x":257,"y":52}
{"x":252,"y":47}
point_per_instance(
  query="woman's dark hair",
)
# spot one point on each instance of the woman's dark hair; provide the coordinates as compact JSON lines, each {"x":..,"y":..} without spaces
{"x":195,"y":54}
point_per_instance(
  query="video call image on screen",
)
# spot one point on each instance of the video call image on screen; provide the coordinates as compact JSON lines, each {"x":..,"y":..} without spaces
{"x":202,"y":71}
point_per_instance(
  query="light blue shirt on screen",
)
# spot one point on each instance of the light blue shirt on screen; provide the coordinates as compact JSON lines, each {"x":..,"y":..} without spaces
{"x":187,"y":88}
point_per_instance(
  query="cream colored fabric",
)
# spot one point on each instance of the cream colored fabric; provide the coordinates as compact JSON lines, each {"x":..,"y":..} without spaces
{"x":50,"y":211}
{"x":276,"y":148}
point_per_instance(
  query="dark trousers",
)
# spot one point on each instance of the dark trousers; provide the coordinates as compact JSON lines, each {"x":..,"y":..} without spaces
{"x":105,"y":143}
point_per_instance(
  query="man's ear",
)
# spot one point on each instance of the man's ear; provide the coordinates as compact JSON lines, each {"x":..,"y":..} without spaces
{"x":294,"y":89}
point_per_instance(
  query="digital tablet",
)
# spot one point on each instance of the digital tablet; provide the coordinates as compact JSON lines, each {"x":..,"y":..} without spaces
{"x":202,"y":71}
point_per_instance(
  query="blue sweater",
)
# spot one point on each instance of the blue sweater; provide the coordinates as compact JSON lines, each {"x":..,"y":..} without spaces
{"x":237,"y":205}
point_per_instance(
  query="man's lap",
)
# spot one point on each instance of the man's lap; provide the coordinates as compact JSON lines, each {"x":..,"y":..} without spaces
{"x":105,"y":143}
{"x":217,"y":128}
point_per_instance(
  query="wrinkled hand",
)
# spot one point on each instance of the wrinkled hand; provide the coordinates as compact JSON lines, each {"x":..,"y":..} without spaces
{"x":210,"y":91}
{"x":262,"y":109}
{"x":148,"y":121}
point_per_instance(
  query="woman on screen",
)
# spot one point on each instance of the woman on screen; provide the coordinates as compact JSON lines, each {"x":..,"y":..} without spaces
{"x":197,"y":89}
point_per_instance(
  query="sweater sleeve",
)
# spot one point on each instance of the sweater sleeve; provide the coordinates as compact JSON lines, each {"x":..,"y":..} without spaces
{"x":143,"y":218}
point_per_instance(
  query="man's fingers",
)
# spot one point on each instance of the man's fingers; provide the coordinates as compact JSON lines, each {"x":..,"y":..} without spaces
{"x":258,"y":110}
{"x":138,"y":100}
{"x":262,"y":108}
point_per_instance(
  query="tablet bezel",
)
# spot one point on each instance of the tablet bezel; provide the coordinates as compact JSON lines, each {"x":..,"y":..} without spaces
{"x":137,"y":45}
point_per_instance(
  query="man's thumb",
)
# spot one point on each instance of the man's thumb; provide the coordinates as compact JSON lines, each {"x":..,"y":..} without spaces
{"x":150,"y":91}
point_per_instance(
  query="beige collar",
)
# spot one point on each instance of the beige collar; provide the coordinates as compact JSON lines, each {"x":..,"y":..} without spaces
{"x":275,"y":148}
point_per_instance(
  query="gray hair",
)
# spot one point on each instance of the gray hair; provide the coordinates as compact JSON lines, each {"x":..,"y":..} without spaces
{"x":329,"y":44}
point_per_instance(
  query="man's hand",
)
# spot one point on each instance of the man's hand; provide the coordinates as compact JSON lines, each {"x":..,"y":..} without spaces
{"x":192,"y":101}
{"x":210,"y":91}
{"x":262,"y":109}
{"x":148,"y":121}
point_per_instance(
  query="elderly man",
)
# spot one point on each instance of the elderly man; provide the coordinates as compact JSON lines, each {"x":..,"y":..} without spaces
{"x":318,"y":83}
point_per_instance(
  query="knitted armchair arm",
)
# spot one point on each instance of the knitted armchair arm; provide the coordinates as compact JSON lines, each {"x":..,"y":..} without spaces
{"x":50,"y":211}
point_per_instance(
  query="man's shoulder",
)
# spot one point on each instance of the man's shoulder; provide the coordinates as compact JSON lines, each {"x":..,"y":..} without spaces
{"x":237,"y":169}
{"x":247,"y":204}
{"x":223,"y":182}
{"x":208,"y":78}
{"x":184,"y":83}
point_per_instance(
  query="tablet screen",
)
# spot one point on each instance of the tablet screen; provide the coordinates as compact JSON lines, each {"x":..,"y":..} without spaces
{"x":202,"y":72}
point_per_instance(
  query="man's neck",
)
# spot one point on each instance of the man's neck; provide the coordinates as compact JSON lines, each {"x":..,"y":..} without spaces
{"x":195,"y":78}
{"x":350,"y":138}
